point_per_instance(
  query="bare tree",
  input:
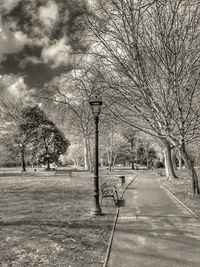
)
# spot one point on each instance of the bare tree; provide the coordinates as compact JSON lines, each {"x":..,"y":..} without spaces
{"x":150,"y":51}
{"x":68,"y":95}
{"x":111,"y":140}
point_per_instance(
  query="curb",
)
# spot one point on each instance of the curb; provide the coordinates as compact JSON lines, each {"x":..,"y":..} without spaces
{"x":181,"y":203}
{"x":111,"y":239}
{"x":123,"y":192}
{"x":114,"y":225}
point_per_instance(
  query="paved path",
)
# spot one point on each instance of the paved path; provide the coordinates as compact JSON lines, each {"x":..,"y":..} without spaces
{"x":154,"y":230}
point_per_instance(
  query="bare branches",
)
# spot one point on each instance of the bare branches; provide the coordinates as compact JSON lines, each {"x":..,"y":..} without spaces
{"x":152,"y":47}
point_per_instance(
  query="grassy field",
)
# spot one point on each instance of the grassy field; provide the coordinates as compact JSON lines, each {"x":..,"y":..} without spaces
{"x":181,"y":188}
{"x":45,"y":220}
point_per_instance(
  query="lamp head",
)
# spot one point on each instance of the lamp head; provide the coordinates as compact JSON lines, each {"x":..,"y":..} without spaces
{"x":95,"y":104}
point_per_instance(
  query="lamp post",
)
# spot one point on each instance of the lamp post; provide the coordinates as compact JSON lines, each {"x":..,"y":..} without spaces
{"x":95,"y":104}
{"x":48,"y":164}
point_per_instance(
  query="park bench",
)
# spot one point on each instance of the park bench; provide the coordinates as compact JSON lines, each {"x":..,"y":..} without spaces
{"x":159,"y":172}
{"x":109,"y":191}
{"x":62,"y":171}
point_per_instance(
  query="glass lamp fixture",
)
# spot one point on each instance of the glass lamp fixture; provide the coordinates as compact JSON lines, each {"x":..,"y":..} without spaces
{"x":95,"y":104}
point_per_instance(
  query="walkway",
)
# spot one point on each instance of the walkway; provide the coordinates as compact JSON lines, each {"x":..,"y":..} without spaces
{"x":154,"y":230}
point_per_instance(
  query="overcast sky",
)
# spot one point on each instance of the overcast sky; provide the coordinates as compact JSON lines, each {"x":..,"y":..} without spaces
{"x":36,"y":37}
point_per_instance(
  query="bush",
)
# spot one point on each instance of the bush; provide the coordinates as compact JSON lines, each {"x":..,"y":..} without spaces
{"x":158,"y":164}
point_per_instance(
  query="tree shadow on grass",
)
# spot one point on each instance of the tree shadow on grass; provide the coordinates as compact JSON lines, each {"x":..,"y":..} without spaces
{"x":82,"y":224}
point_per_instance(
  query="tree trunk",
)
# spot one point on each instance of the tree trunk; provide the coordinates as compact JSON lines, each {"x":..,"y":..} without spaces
{"x":190,"y":166}
{"x":174,"y":152}
{"x":136,"y":154}
{"x":48,"y":165}
{"x":101,"y":160}
{"x":114,"y":160}
{"x":147,"y":156}
{"x":170,"y":173}
{"x":87,"y":155}
{"x":90,"y":159}
{"x":110,"y":160}
{"x":110,"y":151}
{"x":180,"y":164}
{"x":23,"y":165}
{"x":132,"y":162}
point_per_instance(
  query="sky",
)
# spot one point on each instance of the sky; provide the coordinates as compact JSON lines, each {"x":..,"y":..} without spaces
{"x":36,"y":41}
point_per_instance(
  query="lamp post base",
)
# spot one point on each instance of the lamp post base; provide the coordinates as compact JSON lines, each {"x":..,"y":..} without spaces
{"x":96,"y":212}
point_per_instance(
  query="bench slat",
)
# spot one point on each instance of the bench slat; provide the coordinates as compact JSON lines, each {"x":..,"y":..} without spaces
{"x":109,"y":191}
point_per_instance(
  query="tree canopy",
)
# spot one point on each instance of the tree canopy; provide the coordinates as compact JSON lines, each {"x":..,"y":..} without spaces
{"x":35,"y":135}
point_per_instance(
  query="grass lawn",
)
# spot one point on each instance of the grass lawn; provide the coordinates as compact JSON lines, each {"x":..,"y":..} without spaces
{"x":45,"y":221}
{"x":181,"y":188}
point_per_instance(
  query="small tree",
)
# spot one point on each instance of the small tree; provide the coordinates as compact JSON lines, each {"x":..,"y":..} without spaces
{"x":51,"y":143}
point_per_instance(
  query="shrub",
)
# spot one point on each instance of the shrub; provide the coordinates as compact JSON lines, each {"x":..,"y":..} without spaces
{"x":158,"y":164}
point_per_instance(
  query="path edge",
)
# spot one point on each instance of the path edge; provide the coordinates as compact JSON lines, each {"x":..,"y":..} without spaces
{"x":180,"y":202}
{"x":114,"y":225}
{"x":111,"y":239}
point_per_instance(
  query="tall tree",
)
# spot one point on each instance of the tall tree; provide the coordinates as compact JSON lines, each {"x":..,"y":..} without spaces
{"x":69,"y":94}
{"x":13,"y":116}
{"x":110,"y":141}
{"x":150,"y":51}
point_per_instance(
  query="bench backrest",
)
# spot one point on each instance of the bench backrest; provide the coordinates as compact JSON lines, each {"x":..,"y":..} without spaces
{"x":103,"y":186}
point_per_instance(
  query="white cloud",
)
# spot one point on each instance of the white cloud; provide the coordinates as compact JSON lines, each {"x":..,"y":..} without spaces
{"x":15,"y":86}
{"x":18,"y":88}
{"x":40,"y":42}
{"x":57,"y":53}
{"x":29,"y":59}
{"x":8,"y":5}
{"x":49,"y":14}
{"x":20,"y":38}
{"x":10,"y":42}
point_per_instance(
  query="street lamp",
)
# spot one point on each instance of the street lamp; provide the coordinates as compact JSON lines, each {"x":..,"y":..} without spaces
{"x":95,"y":104}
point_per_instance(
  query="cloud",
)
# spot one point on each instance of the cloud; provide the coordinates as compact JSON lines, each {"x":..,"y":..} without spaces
{"x":8,"y":5}
{"x":15,"y":86}
{"x":56,"y":54}
{"x":49,"y":15}
{"x":38,"y":33}
{"x":39,"y":41}
{"x":10,"y":42}
{"x":29,"y":60}
{"x":18,"y":88}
